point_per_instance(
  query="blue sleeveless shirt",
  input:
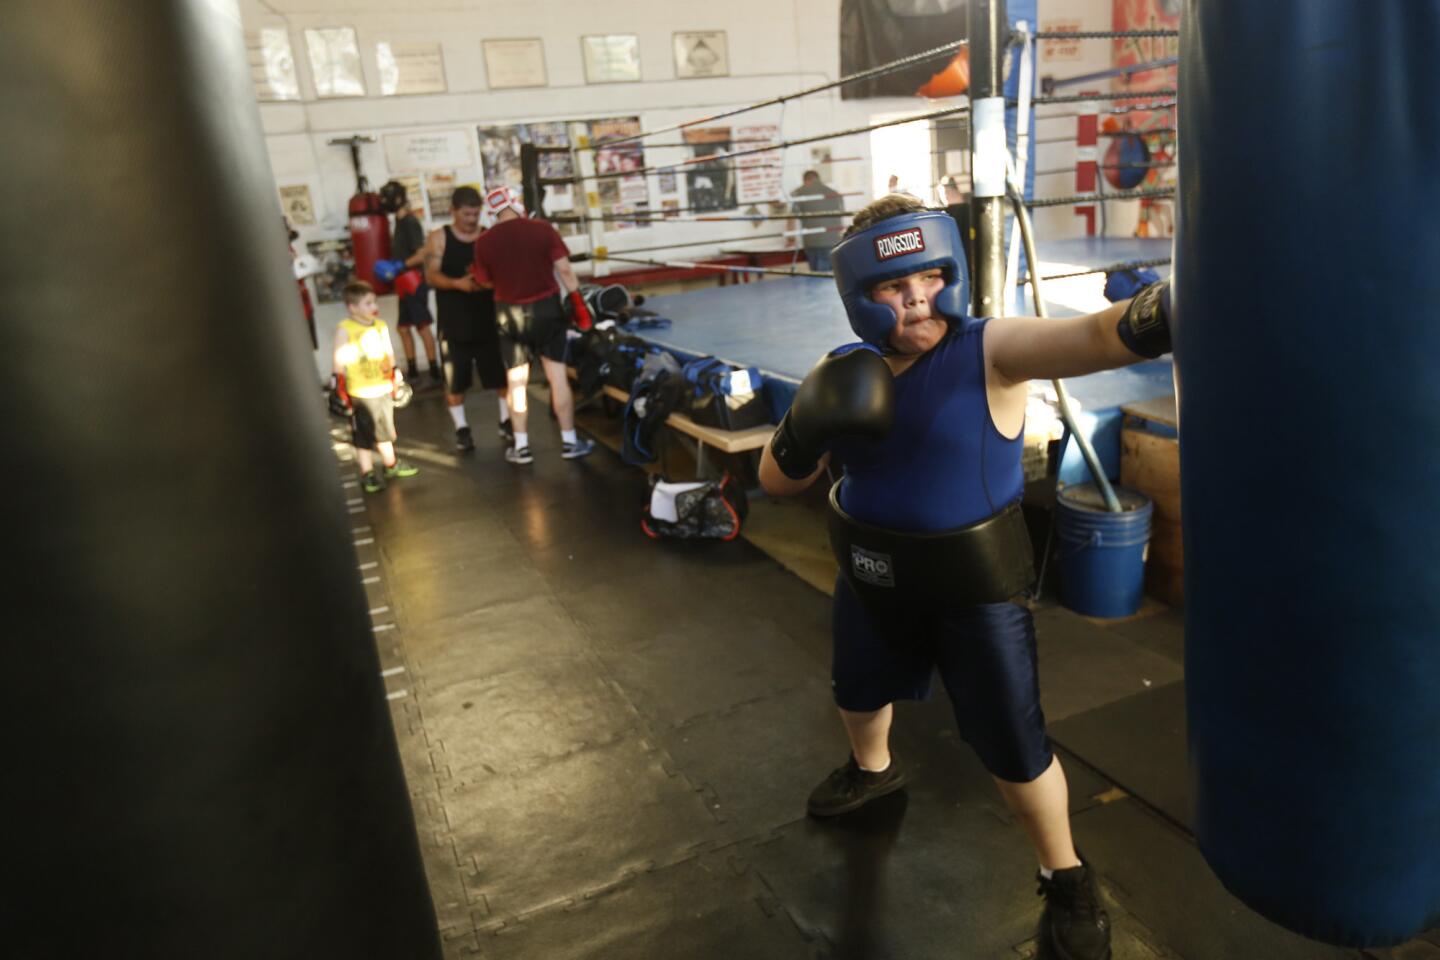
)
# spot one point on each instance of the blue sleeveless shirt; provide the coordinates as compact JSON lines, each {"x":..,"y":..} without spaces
{"x":944,"y":465}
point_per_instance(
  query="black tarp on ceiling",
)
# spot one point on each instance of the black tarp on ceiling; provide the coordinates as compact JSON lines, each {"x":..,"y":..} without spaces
{"x":876,"y":32}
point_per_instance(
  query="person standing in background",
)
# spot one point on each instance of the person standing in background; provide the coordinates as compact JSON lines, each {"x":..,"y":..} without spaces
{"x":408,"y":247}
{"x":469,"y":339}
{"x":817,"y":197}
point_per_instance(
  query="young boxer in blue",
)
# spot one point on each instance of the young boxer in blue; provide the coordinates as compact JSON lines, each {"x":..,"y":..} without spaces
{"x":926,"y":415}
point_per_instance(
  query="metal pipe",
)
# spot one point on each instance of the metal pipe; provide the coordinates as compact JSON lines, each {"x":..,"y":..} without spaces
{"x":1022,"y":216}
{"x":989,"y":33}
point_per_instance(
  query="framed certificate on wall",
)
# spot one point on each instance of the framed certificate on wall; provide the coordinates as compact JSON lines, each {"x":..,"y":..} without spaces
{"x":701,"y":54}
{"x":611,"y":58}
{"x":410,"y":68}
{"x":514,"y":63}
{"x":335,"y":62}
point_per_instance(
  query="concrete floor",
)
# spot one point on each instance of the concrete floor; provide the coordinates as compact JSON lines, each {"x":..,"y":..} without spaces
{"x":609,"y":741}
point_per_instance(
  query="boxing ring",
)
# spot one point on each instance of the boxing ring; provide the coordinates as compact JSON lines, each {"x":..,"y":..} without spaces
{"x":783,"y":325}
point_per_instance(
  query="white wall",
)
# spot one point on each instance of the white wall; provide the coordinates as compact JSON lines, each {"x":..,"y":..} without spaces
{"x":775,"y":47}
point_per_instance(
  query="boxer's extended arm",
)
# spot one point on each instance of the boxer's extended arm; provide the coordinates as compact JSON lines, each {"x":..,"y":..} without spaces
{"x":1036,"y":348}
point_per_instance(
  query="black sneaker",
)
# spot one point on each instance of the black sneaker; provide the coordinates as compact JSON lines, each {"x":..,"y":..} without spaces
{"x":463,"y":441}
{"x":582,"y":447}
{"x":519,"y":455}
{"x":436,"y":377}
{"x":850,"y":788}
{"x":1075,"y":921}
{"x":507,"y":432}
{"x":412,"y":373}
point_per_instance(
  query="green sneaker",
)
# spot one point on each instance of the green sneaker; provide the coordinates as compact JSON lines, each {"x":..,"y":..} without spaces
{"x":371,"y":482}
{"x":401,"y":469}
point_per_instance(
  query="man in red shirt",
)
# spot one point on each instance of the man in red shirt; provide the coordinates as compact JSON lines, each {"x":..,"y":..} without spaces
{"x":521,"y":258}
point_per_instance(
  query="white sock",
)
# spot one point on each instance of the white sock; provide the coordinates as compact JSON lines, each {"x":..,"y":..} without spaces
{"x":458,"y":415}
{"x":881,"y":770}
{"x":521,"y":439}
{"x":504,"y":410}
{"x":568,"y":436}
{"x":1047,"y":873}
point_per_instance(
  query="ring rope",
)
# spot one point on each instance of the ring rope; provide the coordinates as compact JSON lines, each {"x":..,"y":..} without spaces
{"x":711,"y":243}
{"x":1124,"y":265}
{"x":1113,"y":95}
{"x":1098,"y":34}
{"x":656,"y":217}
{"x":1097,"y":198}
{"x":884,"y":68}
{"x":782,"y":145}
{"x":699,"y":265}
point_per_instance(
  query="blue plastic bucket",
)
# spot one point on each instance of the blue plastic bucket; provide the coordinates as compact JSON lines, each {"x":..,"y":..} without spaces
{"x":1102,"y":554}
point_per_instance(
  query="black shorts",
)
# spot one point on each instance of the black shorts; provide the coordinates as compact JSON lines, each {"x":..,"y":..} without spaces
{"x":372,"y":422}
{"x":530,"y":330}
{"x":466,"y":359}
{"x":415,"y":309}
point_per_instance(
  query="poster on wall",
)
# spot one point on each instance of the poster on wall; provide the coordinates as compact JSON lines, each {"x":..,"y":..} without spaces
{"x":701,"y":54}
{"x":757,"y":175}
{"x":514,"y":63}
{"x":296,"y":203}
{"x":624,"y":157}
{"x":710,"y":185}
{"x":337,"y":268}
{"x":500,"y":155}
{"x":612,"y":58}
{"x":335,"y":62}
{"x":1054,"y":51}
{"x":407,"y":68}
{"x":272,"y":64}
{"x":1156,"y":216}
{"x":438,"y":187}
{"x":430,"y":150}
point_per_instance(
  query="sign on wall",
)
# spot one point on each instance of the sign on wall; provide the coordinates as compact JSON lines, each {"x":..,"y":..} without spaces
{"x":1052,"y":51}
{"x":407,"y":68}
{"x":758,"y":174}
{"x":612,"y":58}
{"x":298,"y":207}
{"x":335,"y":62}
{"x":272,"y":64}
{"x":514,"y":63}
{"x":432,"y":150}
{"x":701,"y":54}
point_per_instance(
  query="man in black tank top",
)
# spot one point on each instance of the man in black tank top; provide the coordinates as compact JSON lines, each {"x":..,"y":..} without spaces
{"x":469,"y":340}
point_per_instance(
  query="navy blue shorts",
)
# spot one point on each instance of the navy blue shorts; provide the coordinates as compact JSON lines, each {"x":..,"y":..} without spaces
{"x":986,"y":658}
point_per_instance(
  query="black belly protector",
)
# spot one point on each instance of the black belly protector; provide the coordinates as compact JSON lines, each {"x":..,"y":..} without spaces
{"x":986,"y":562}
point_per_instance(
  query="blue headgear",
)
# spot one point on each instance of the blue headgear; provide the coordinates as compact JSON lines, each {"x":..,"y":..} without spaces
{"x":893,"y":248}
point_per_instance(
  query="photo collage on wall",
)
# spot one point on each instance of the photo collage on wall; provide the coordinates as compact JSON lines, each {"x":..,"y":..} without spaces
{"x":621,"y":196}
{"x":500,"y":162}
{"x":710,"y":186}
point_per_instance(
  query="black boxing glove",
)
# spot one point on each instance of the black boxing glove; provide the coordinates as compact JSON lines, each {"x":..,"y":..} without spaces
{"x":848,"y":394}
{"x":1145,"y":326}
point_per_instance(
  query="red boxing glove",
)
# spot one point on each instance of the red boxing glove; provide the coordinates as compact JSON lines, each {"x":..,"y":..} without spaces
{"x":579,"y":313}
{"x":341,"y":392}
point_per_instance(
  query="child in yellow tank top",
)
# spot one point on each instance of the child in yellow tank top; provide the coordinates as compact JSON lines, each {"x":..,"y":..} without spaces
{"x":366,"y":378}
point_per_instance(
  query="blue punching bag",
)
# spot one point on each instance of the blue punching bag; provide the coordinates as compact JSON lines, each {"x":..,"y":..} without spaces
{"x":1308,"y":274}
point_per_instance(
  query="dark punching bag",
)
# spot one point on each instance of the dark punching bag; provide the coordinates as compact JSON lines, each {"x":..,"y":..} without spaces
{"x":200,"y":759}
{"x":1308,"y":270}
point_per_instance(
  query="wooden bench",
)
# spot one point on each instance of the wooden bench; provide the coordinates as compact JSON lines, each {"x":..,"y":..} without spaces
{"x":725,"y":441}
